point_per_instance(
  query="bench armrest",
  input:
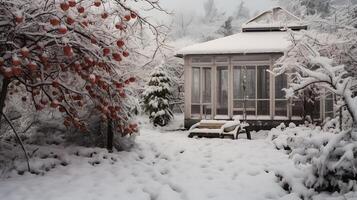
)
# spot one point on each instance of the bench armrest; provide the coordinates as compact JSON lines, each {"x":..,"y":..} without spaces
{"x":194,"y":126}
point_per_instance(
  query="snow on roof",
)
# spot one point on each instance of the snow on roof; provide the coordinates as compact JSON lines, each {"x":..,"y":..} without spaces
{"x":242,"y":43}
{"x":274,"y":18}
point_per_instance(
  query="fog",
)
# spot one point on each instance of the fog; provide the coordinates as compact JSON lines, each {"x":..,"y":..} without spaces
{"x":223,"y":5}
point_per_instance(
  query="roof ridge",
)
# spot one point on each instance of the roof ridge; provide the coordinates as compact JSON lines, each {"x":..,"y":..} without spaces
{"x":274,"y":21}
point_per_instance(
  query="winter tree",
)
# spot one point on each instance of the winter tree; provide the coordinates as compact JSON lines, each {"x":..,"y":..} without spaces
{"x":212,"y":13}
{"x":324,"y":60}
{"x":308,"y":7}
{"x":226,"y":29}
{"x":175,"y":70}
{"x":242,"y":12}
{"x":157,"y":97}
{"x":66,"y":56}
{"x":182,"y":22}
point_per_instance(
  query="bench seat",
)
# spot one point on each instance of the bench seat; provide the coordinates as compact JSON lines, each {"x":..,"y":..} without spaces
{"x":218,"y":129}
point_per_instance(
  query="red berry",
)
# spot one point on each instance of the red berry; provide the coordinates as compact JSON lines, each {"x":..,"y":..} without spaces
{"x":62,"y":109}
{"x":19,"y":19}
{"x":125,"y":53}
{"x":117,"y":108}
{"x":32,"y":66}
{"x":120,"y":26}
{"x":93,"y":40}
{"x":70,"y":20}
{"x":133,"y":15}
{"x":84,"y":23}
{"x":117,"y":57}
{"x":122,"y":94}
{"x":43,"y":102}
{"x":64,"y":6}
{"x":62,"y":29}
{"x":80,"y":9}
{"x":106,"y":51}
{"x":132,"y":79}
{"x":56,"y":84}
{"x":16,"y":70}
{"x":120,"y":43}
{"x":127,"y":17}
{"x":68,"y":51}
{"x":54,"y":21}
{"x":38,"y":107}
{"x":72,"y":3}
{"x":119,"y":85}
{"x":104,"y":15}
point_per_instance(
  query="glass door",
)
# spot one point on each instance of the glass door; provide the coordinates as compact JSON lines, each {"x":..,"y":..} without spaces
{"x":222,"y":92}
{"x":201,"y":101}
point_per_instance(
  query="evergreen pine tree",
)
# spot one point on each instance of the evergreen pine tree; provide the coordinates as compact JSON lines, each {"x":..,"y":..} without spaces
{"x":226,"y":29}
{"x":156,"y":97}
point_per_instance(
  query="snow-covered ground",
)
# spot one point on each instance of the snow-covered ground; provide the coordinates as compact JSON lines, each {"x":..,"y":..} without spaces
{"x":163,"y":166}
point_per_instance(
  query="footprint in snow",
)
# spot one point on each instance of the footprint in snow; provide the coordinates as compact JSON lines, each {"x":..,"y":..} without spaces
{"x":235,"y":175}
{"x":208,"y":154}
{"x":211,"y":195}
{"x":131,"y":190}
{"x":166,"y":193}
{"x":164,"y":172}
{"x":269,"y":196}
{"x":253,"y":172}
{"x":229,"y":161}
{"x":209,"y":178}
{"x":204,"y":166}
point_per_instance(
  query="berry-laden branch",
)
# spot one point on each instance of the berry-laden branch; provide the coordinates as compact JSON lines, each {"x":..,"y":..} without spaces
{"x":67,"y":55}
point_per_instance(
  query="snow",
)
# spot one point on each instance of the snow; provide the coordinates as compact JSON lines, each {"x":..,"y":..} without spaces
{"x":206,"y":130}
{"x":274,"y":18}
{"x":231,"y":123}
{"x":246,"y":42}
{"x":164,"y":165}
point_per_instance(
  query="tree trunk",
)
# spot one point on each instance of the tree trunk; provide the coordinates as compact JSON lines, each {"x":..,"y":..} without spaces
{"x":340,"y":119}
{"x":3,"y":94}
{"x":110,"y":136}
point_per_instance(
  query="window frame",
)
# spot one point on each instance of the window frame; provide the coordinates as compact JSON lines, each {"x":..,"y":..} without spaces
{"x":327,"y":98}
{"x":201,"y":103}
{"x":279,"y":99}
{"x":256,"y":99}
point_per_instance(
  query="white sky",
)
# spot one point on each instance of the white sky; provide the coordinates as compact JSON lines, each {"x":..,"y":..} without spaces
{"x":223,"y":5}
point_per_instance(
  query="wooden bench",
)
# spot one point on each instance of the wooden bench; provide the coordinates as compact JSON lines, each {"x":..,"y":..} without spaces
{"x":218,"y":129}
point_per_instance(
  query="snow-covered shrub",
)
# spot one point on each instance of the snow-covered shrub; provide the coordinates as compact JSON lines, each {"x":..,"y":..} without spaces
{"x":328,"y":158}
{"x":157,"y":97}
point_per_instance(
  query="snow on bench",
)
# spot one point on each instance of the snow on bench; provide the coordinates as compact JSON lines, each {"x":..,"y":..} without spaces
{"x":218,"y":129}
